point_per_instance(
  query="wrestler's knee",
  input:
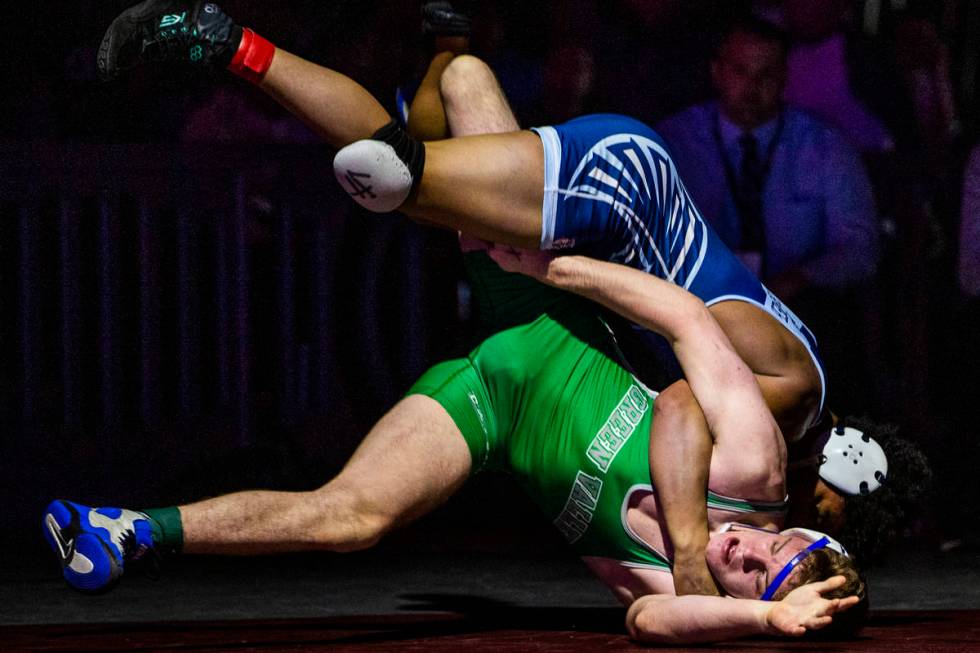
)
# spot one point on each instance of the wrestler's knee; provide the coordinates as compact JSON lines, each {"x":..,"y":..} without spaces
{"x":382,"y":171}
{"x":474,"y":101}
{"x":463,"y":75}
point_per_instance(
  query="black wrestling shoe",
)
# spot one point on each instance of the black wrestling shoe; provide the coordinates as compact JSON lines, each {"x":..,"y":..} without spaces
{"x":446,"y":18}
{"x":198,"y":34}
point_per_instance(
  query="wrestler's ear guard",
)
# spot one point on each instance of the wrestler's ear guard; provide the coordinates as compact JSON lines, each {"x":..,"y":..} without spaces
{"x":382,"y":171}
{"x":852,"y":462}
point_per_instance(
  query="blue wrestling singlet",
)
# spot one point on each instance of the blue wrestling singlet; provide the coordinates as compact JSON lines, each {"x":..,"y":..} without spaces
{"x":611,"y":189}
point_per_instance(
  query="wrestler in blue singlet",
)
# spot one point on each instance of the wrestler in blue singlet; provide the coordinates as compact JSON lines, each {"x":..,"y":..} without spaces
{"x":611,"y":190}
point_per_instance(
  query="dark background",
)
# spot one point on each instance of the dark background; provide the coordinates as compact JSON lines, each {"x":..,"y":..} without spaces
{"x":189,"y":305}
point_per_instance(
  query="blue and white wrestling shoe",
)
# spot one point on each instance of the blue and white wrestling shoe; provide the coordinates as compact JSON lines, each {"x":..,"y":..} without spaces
{"x":93,"y":544}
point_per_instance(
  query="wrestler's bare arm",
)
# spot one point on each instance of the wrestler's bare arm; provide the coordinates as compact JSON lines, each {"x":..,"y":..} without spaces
{"x":790,"y":381}
{"x":680,"y":455}
{"x":724,"y":386}
{"x":663,"y":619}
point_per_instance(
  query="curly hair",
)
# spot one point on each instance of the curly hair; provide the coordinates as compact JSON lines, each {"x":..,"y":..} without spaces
{"x":823,"y":564}
{"x":873,"y":521}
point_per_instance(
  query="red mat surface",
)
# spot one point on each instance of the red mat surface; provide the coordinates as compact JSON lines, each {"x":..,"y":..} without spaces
{"x":894,"y":632}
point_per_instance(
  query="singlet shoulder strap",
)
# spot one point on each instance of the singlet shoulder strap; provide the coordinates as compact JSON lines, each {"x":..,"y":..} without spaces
{"x":731,"y":504}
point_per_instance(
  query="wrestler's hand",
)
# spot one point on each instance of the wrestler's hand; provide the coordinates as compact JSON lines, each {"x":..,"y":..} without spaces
{"x":532,"y":262}
{"x":805,"y":608}
{"x":691,"y":575}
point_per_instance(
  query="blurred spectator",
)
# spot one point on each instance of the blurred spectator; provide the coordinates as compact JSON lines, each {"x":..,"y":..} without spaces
{"x":969,"y":264}
{"x":781,"y":188}
{"x":819,"y":73}
{"x":843,"y":78}
{"x":786,"y":192}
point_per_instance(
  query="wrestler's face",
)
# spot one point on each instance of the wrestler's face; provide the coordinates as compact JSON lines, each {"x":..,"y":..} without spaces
{"x":744,"y":562}
{"x":749,"y":75}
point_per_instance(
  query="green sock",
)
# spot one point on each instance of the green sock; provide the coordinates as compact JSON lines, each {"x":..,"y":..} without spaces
{"x":166,"y":527}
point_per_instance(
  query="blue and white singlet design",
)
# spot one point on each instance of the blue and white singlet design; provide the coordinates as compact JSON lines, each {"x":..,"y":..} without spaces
{"x":611,"y":189}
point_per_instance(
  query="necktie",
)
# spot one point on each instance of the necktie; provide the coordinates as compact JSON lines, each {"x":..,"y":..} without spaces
{"x":751,"y":181}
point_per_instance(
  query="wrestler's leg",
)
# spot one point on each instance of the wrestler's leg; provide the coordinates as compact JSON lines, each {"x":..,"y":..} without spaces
{"x":473,"y":100}
{"x":339,"y":109}
{"x":412,"y":461}
{"x":488,"y":186}
{"x":427,"y":115}
{"x":342,"y":111}
{"x":458,"y":96}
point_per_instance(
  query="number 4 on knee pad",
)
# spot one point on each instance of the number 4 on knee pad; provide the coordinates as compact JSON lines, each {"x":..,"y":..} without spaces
{"x":382,"y":171}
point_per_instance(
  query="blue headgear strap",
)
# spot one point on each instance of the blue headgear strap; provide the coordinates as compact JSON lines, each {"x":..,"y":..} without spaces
{"x":790,"y":566}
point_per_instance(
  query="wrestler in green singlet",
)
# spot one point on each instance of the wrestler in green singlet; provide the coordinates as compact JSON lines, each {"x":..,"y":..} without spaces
{"x":549,"y":399}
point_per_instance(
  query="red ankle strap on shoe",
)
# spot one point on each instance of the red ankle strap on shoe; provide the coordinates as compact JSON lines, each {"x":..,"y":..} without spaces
{"x":253,"y":58}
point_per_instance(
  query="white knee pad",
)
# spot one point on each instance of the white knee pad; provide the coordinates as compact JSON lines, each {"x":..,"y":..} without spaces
{"x":373,"y":174}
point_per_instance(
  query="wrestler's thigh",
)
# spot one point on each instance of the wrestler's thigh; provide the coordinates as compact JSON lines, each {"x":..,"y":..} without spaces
{"x":410,"y":462}
{"x":489,"y":186}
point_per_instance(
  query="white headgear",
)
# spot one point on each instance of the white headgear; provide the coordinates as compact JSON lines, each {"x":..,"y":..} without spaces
{"x":854,"y":463}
